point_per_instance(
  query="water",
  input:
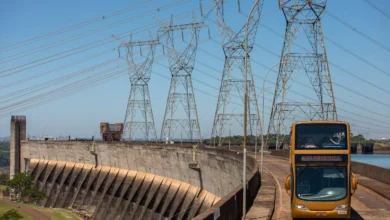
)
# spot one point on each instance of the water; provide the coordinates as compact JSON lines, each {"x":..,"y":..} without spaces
{"x":380,"y":160}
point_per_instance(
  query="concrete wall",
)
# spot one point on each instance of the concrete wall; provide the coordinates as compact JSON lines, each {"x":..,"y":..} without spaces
{"x":374,"y":172}
{"x":220,"y":170}
{"x":111,"y":193}
{"x":90,"y":165}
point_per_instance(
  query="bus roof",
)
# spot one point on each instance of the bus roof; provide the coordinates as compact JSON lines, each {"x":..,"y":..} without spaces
{"x":320,"y":122}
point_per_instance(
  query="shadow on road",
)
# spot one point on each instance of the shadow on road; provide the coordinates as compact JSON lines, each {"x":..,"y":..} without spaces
{"x":355,"y":215}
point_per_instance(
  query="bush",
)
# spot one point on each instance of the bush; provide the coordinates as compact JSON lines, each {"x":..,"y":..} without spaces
{"x":22,"y":186}
{"x":12,"y":214}
{"x":3,"y":179}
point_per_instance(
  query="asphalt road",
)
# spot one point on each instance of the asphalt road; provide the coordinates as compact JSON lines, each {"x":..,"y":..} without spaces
{"x":366,"y":204}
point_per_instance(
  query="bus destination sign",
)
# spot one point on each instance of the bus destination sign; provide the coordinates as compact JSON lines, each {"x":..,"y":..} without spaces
{"x":321,"y":158}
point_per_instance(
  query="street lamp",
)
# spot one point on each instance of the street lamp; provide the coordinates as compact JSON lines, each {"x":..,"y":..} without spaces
{"x":230,"y":127}
{"x":262,"y":91}
{"x":245,"y":110}
{"x":262,"y":123}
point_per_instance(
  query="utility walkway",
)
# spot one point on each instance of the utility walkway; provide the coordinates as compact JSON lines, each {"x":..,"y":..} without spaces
{"x":366,"y":204}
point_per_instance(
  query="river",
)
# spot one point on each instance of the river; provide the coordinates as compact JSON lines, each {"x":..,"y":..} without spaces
{"x":380,"y":160}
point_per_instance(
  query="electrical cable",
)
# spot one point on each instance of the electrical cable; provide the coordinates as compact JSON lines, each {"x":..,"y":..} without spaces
{"x":88,"y":33}
{"x":109,"y":41}
{"x":26,"y":91}
{"x":18,"y":82}
{"x":72,"y":27}
{"x":357,"y":31}
{"x":378,"y":9}
{"x":333,"y":64}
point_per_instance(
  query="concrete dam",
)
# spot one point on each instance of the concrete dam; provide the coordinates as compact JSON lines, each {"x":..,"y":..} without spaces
{"x":124,"y":180}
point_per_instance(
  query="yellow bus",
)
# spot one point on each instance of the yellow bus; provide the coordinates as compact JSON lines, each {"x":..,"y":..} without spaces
{"x":320,"y":182}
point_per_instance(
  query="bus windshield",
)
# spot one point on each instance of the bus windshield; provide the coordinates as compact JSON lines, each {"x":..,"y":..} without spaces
{"x":325,"y":136}
{"x":328,"y":183}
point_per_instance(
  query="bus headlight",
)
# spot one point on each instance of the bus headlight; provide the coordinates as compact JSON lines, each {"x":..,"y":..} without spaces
{"x":301,"y":207}
{"x":343,"y":206}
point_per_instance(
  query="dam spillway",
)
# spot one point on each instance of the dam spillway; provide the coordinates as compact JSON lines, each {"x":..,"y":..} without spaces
{"x":102,"y":192}
{"x":124,"y":180}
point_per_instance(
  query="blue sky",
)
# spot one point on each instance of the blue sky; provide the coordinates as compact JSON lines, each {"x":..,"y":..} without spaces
{"x":80,"y":112}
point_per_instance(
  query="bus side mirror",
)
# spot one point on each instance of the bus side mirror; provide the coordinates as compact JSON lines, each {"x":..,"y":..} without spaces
{"x":287,"y":184}
{"x":354,"y":183}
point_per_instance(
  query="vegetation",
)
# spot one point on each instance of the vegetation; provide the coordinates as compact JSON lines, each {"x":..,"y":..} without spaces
{"x":11,"y":214}
{"x":3,"y":178}
{"x":4,"y":146}
{"x":4,"y":156}
{"x":52,"y":213}
{"x":238,"y":139}
{"x":23,"y":188}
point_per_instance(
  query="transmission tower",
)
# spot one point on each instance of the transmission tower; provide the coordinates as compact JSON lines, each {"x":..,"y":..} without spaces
{"x":181,"y":116}
{"x":302,"y":15}
{"x":139,"y":115}
{"x":232,"y":83}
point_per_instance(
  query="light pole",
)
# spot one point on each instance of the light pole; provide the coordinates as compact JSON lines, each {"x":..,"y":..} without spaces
{"x":262,"y":91}
{"x":262,"y":123}
{"x":245,"y":111}
{"x":230,"y":127}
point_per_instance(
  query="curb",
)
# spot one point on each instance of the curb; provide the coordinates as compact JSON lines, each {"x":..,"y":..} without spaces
{"x":264,"y":203}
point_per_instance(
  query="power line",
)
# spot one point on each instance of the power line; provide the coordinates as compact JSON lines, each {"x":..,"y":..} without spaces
{"x":83,"y":86}
{"x":44,"y":85}
{"x":200,"y":49}
{"x":333,"y":64}
{"x":256,"y":62}
{"x":80,"y":83}
{"x":18,"y":82}
{"x":378,"y":9}
{"x":357,"y":56}
{"x":72,"y":27}
{"x":300,"y":94}
{"x":89,"y":32}
{"x":341,"y":86}
{"x":109,"y":41}
{"x":357,"y":31}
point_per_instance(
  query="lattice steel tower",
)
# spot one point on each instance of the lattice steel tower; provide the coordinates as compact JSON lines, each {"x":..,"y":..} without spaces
{"x":232,"y":83}
{"x":302,"y":15}
{"x":139,"y":119}
{"x":180,"y":113}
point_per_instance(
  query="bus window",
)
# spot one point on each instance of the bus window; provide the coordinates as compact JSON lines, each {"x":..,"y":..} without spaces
{"x":325,"y":136}
{"x":321,"y":183}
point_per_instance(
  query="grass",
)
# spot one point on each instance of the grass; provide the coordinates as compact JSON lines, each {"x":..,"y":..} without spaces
{"x":4,"y":208}
{"x":52,"y":213}
{"x":2,"y":187}
{"x":56,"y":213}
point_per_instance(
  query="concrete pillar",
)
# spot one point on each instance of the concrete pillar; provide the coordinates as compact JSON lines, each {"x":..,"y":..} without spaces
{"x":18,"y":133}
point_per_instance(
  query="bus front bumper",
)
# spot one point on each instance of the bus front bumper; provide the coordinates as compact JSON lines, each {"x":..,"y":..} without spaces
{"x":299,"y":213}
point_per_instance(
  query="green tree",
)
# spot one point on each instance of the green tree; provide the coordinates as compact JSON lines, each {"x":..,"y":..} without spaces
{"x":12,"y":214}
{"x":19,"y":183}
{"x":3,"y":179}
{"x":34,"y":194}
{"x":23,"y":187}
